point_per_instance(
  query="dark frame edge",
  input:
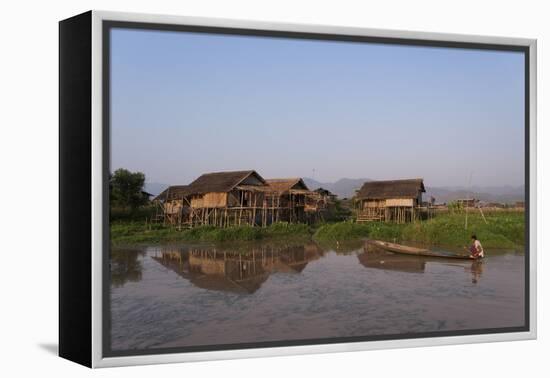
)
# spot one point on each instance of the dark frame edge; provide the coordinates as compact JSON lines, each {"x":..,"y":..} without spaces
{"x":75,"y":189}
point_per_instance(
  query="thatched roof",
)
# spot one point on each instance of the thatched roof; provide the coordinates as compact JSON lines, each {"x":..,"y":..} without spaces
{"x":218,"y":182}
{"x":282,"y":185}
{"x":217,"y":282}
{"x":173,"y":192}
{"x":391,"y":189}
{"x":221,"y":182}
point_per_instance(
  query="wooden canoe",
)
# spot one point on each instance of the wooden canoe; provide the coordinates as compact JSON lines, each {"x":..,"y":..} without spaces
{"x":404,"y":249}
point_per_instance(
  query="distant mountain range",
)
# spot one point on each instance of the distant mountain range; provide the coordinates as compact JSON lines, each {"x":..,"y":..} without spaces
{"x":500,"y":194}
{"x":345,"y":188}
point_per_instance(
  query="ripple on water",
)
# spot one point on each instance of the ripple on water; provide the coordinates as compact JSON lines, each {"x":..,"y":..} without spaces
{"x":177,"y":296}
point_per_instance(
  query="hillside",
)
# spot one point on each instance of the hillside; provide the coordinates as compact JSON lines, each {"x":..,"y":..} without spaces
{"x":344,"y":187}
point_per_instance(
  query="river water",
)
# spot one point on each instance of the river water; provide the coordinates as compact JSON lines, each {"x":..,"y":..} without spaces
{"x":199,"y":295}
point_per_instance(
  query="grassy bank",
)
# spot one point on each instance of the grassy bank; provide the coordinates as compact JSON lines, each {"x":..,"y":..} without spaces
{"x":502,"y":230}
{"x":343,"y":231}
{"x":127,"y":233}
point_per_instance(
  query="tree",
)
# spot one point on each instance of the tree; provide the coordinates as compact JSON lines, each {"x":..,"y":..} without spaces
{"x":126,"y":189}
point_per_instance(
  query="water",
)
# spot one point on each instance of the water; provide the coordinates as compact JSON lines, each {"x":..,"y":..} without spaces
{"x":184,"y":295}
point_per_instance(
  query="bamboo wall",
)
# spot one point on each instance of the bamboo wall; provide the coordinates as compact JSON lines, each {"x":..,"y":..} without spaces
{"x":242,"y":206}
{"x":395,"y":210}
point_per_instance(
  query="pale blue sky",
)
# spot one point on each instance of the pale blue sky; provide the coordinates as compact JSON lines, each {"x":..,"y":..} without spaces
{"x":187,"y":103}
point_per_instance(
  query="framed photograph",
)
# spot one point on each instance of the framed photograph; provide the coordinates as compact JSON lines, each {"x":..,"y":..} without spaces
{"x":236,"y":188}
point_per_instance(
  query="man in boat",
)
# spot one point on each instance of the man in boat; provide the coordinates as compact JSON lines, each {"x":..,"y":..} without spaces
{"x":476,"y":250}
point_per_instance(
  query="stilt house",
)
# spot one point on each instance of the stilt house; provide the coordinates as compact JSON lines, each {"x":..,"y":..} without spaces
{"x":173,"y":204}
{"x":288,"y":196}
{"x":467,"y":202}
{"x":396,"y":201}
{"x":234,"y":198}
{"x":227,"y":198}
{"x":324,"y":198}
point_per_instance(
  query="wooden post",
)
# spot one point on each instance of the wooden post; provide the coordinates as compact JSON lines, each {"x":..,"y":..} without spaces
{"x":272,"y":212}
{"x":290,"y":207}
{"x":278,"y":209}
{"x":165,"y":203}
{"x":483,"y":215}
{"x":254,"y":210}
{"x":241,"y":210}
{"x":264,"y":216}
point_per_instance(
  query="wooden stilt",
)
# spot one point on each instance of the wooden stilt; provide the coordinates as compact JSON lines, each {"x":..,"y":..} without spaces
{"x":254,"y":210}
{"x":482,"y":215}
{"x":241,"y":210}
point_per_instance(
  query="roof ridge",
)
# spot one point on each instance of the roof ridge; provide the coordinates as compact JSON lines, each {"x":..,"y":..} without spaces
{"x":228,"y":172}
{"x":284,"y":179}
{"x":390,"y":188}
{"x":246,"y":174}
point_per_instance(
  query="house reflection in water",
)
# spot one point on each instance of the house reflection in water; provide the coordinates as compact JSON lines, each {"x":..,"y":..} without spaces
{"x":233,"y":269}
{"x":125,"y":266}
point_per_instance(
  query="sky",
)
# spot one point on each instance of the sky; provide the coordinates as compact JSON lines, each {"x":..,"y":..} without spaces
{"x":183,"y":104}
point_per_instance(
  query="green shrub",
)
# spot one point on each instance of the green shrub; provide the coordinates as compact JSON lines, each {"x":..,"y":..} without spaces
{"x":348,"y":231}
{"x":502,"y":230}
{"x":140,"y":232}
